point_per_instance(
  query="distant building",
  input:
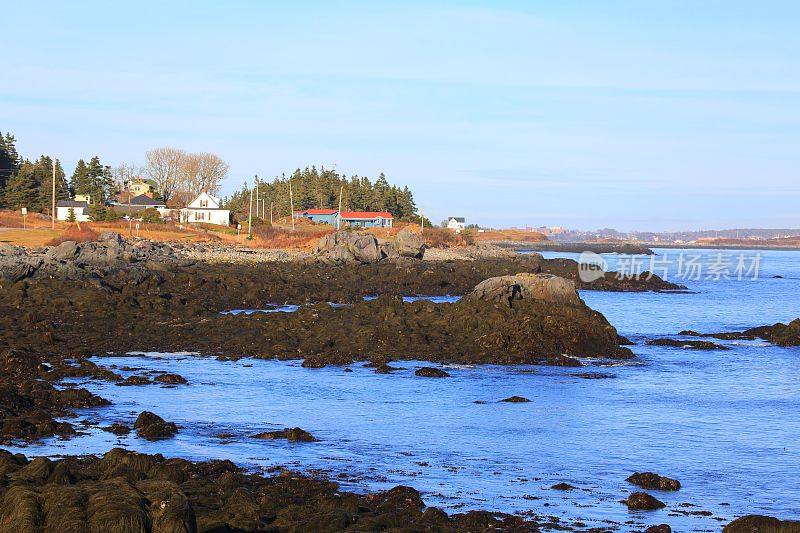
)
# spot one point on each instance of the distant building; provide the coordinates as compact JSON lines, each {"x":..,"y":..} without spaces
{"x":83,"y":198}
{"x":79,"y":208}
{"x":135,"y":205}
{"x":456,"y":223}
{"x":139,"y":187}
{"x":206,"y":209}
{"x":321,"y":216}
{"x":355,"y":219}
{"x":367,"y":219}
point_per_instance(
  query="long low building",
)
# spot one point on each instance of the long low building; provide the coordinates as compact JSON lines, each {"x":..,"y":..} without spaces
{"x":355,"y":219}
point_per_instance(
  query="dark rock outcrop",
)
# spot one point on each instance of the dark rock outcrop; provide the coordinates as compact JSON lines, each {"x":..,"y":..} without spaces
{"x":780,"y":334}
{"x":171,"y":379}
{"x":688,"y":344}
{"x":290,"y":434}
{"x":543,"y":287}
{"x":641,"y":501}
{"x":651,"y":480}
{"x":515,"y":399}
{"x":761,"y":524}
{"x":430,"y":372}
{"x":150,"y":426}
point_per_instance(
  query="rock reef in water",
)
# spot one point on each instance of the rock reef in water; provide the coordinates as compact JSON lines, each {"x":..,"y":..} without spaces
{"x":129,"y":491}
{"x":761,"y":524}
{"x":641,"y":501}
{"x":651,"y":480}
{"x":780,"y":334}
{"x":150,"y":426}
{"x":290,"y":434}
{"x":691,"y":345}
{"x":430,"y":372}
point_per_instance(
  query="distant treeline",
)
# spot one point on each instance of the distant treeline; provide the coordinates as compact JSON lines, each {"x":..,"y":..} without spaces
{"x":319,"y":188}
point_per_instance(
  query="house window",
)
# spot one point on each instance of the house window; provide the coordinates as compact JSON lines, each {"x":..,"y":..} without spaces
{"x":199,"y":215}
{"x":203,"y":203}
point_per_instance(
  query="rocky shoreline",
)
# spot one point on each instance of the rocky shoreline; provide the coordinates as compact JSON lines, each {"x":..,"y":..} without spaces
{"x":62,"y":305}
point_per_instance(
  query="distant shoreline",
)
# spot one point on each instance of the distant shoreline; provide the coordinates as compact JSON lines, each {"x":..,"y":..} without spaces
{"x":632,"y":248}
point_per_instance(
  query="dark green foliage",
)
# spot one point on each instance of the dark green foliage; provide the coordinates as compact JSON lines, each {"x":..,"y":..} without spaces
{"x":93,"y":179}
{"x":31,"y":186}
{"x":151,"y":216}
{"x":313,"y":188}
{"x":100,"y":213}
{"x":71,"y":215}
{"x":9,"y":160}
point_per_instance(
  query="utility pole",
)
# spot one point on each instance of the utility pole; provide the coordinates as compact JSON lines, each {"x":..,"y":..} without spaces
{"x":53,"y":198}
{"x":258,"y":213}
{"x":339,"y":212}
{"x":291,"y":203}
{"x":421,"y":221}
{"x":270,"y":212}
{"x":250,"y":215}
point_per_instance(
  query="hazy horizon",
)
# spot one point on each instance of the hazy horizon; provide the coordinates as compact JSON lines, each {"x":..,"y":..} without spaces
{"x":663,"y":116}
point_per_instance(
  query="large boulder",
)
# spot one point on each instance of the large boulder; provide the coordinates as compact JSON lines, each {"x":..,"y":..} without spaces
{"x":409,"y":243}
{"x":524,"y":286}
{"x":349,"y":247}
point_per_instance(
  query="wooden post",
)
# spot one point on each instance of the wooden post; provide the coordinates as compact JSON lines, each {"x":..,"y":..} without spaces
{"x":250,"y":215}
{"x":339,"y":212}
{"x":291,"y":203}
{"x":53,"y":198}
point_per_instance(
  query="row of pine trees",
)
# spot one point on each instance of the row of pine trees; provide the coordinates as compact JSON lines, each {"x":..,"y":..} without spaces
{"x":320,"y":188}
{"x":28,"y":183}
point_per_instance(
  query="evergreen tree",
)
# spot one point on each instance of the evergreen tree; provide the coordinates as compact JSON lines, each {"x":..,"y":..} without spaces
{"x":22,"y":189}
{"x":9,"y":161}
{"x":44,"y":175}
{"x":71,"y":215}
{"x":79,"y":182}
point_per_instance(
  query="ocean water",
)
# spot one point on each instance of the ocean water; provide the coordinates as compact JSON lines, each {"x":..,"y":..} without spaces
{"x":725,"y":423}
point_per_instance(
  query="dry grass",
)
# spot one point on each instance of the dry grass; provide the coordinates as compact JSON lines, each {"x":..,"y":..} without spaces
{"x":299,"y":239}
{"x":76,"y":233}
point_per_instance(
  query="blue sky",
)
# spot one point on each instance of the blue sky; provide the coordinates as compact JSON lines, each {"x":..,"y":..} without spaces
{"x":630,"y":114}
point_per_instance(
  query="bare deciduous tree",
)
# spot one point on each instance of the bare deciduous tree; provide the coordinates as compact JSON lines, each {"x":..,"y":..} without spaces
{"x":203,"y":171}
{"x":164,"y":167}
{"x":125,"y":173}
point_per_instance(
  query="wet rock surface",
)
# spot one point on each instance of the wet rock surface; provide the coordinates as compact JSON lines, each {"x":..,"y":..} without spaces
{"x":128,"y":491}
{"x":290,"y":434}
{"x":515,"y":399}
{"x":430,"y":372}
{"x":150,"y":426}
{"x":688,"y":344}
{"x":761,"y":524}
{"x":651,"y":480}
{"x":641,"y":501}
{"x":779,"y":334}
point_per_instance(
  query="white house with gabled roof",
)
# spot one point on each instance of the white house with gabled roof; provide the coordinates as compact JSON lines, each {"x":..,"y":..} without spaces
{"x":206,"y":209}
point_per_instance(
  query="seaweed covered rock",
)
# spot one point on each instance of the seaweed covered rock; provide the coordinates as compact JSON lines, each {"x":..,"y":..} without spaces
{"x":761,"y":524}
{"x":651,"y":480}
{"x":290,"y":434}
{"x":150,"y":426}
{"x":641,"y":501}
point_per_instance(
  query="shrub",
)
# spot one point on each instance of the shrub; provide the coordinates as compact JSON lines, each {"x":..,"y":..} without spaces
{"x":151,"y":216}
{"x":440,"y":238}
{"x":101,"y":213}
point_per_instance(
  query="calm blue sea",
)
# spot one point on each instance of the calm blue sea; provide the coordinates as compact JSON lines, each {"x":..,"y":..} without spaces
{"x":725,"y":423}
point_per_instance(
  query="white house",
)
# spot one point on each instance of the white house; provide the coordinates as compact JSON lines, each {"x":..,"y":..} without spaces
{"x":206,"y":209}
{"x":456,"y":223}
{"x":80,"y":209}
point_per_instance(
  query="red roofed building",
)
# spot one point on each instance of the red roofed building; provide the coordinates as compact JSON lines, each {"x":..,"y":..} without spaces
{"x":367,"y":219}
{"x":356,"y":219}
